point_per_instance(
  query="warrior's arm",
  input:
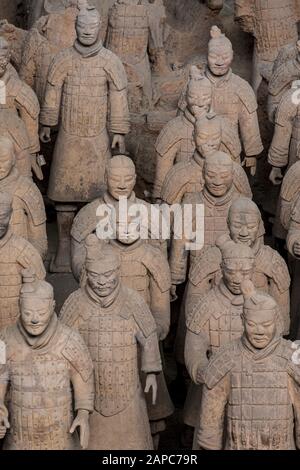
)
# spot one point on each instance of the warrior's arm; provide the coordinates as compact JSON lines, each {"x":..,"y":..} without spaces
{"x":150,"y":354}
{"x":83,"y":390}
{"x":293,"y":236}
{"x":283,"y":300}
{"x":4,"y":378}
{"x":196,"y":353}
{"x":294,"y":389}
{"x":196,"y":292}
{"x":213,"y":405}
{"x":164,"y":163}
{"x":119,"y":119}
{"x":29,"y":108}
{"x":78,"y":255}
{"x":37,"y":235}
{"x":178,"y":261}
{"x":50,"y":109}
{"x":160,"y":309}
{"x":250,"y":133}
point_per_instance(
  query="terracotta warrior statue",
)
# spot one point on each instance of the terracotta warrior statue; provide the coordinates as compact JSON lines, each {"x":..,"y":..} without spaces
{"x":28,"y":219}
{"x":210,"y":134}
{"x":120,"y":182}
{"x":48,"y":36}
{"x":49,"y":375}
{"x":252,"y":385}
{"x":270,"y":274}
{"x":135,"y":32}
{"x":217,"y":196}
{"x":283,"y":77}
{"x":16,"y":254}
{"x":232,"y":97}
{"x":293,"y":245}
{"x":19,"y":112}
{"x":215,"y":321}
{"x":273,"y":23}
{"x":117,"y":326}
{"x":86,"y":85}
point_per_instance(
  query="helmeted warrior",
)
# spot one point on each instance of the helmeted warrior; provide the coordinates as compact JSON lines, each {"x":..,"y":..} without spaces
{"x":135,"y":31}
{"x":28,"y":219}
{"x":48,"y":372}
{"x":217,"y":196}
{"x":86,"y":85}
{"x":232,"y":97}
{"x":253,"y":384}
{"x":16,"y":254}
{"x":215,"y":320}
{"x":19,"y":112}
{"x":120,"y":181}
{"x":210,"y":134}
{"x":116,"y":323}
{"x":270,"y":271}
{"x":51,"y":34}
{"x":273,"y":23}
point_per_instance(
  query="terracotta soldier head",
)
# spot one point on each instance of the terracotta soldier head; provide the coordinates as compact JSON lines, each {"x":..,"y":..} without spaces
{"x":37,"y":304}
{"x":129,"y":225}
{"x":237,"y":264}
{"x":5,"y":213}
{"x":218,"y":174}
{"x":244,"y":221}
{"x":207,"y":134}
{"x":121,"y":176}
{"x":7,"y":157}
{"x":260,"y":316}
{"x":88,"y":24}
{"x":199,"y":93}
{"x":102,"y":267}
{"x":5,"y":55}
{"x":220,"y":53}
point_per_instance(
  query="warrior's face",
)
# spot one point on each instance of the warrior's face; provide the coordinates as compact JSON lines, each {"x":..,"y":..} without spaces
{"x":244,"y":227}
{"x":260,"y":327}
{"x":4,"y":57}
{"x":207,"y":137}
{"x":36,"y":314}
{"x":6,"y":162}
{"x":199,"y":99}
{"x":235,"y":271}
{"x":128,"y":231}
{"x":218,"y":178}
{"x":121,"y":182}
{"x":219,"y":59}
{"x":102,"y":279}
{"x":5,"y":215}
{"x":87,"y":29}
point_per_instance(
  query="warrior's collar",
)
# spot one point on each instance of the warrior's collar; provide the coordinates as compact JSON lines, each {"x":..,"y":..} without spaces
{"x":218,"y":201}
{"x":104,"y":302}
{"x":109,"y":200}
{"x":41,"y":341}
{"x":218,"y":81}
{"x":233,"y":298}
{"x":258,"y":354}
{"x":126,"y":248}
{"x":88,"y":51}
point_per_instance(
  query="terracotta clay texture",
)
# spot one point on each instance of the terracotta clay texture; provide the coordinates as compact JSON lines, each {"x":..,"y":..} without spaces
{"x":135,"y":31}
{"x":232,"y":97}
{"x":84,"y":81}
{"x":270,"y":271}
{"x":19,"y":111}
{"x":253,"y":383}
{"x":116,"y":323}
{"x":217,"y":195}
{"x":44,"y":358}
{"x":211,"y":133}
{"x":215,"y":321}
{"x":16,"y":39}
{"x":273,"y":23}
{"x":49,"y":35}
{"x":28,"y":219}
{"x":120,"y":181}
{"x":16,"y":254}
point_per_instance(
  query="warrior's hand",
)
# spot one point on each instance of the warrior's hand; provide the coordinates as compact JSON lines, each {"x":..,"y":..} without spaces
{"x":250,"y":162}
{"x":173,"y":293}
{"x":36,"y":167}
{"x":276,"y":176}
{"x":82,"y":421}
{"x":296,"y":249}
{"x":45,"y":134}
{"x":199,"y":377}
{"x":151,"y":382}
{"x":119,"y":141}
{"x":4,"y":425}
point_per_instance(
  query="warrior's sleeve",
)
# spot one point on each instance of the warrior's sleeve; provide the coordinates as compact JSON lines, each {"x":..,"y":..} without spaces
{"x":29,"y":109}
{"x":212,"y":413}
{"x":28,"y":68}
{"x":119,"y":120}
{"x":4,"y":375}
{"x":293,"y":235}
{"x":248,"y":120}
{"x":178,"y":261}
{"x":294,"y":389}
{"x":284,"y":120}
{"x":82,"y":375}
{"x":196,"y":352}
{"x":157,"y":20}
{"x":30,"y":258}
{"x":150,"y":354}
{"x":244,"y":15}
{"x":52,"y":101}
